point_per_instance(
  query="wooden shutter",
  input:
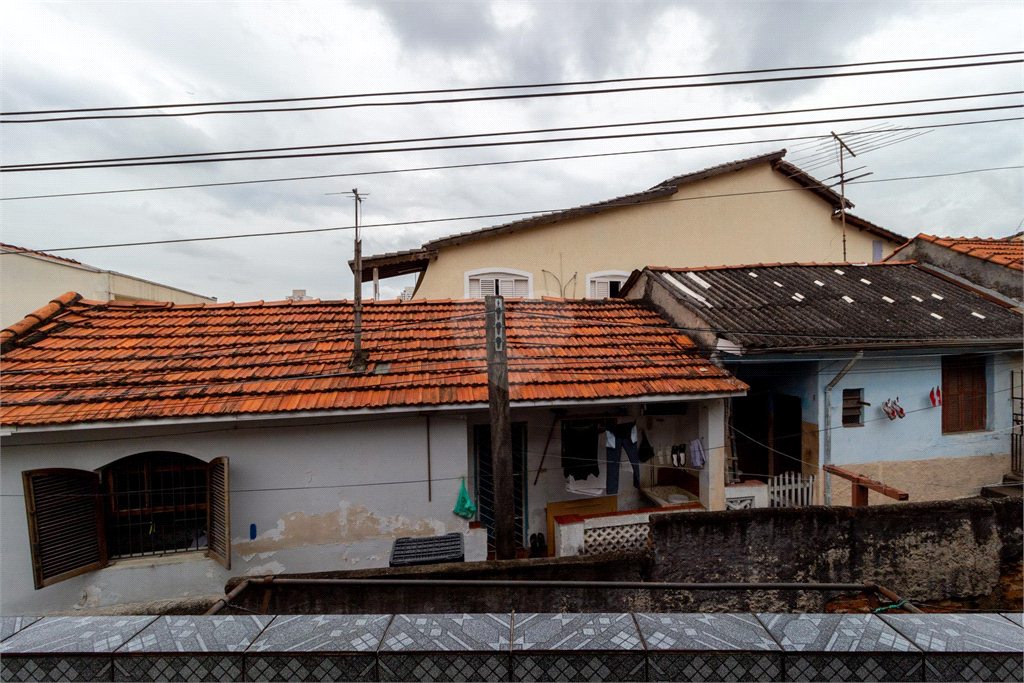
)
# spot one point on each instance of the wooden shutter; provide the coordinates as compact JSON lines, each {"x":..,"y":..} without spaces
{"x":218,"y":512}
{"x":522,"y":288}
{"x":964,"y":394}
{"x":600,"y":289}
{"x":65,"y":523}
{"x":488,"y":287}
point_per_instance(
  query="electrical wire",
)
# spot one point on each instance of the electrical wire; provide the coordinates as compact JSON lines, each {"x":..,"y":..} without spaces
{"x":506,"y":87}
{"x":531,"y":131}
{"x":504,"y":143}
{"x":534,"y":212}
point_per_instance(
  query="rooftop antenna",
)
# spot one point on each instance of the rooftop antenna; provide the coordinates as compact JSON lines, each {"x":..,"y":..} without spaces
{"x":358,"y":362}
{"x":842,"y":187}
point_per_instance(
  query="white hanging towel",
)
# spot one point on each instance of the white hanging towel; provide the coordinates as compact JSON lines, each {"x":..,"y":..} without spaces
{"x":696,"y":454}
{"x":591,"y":486}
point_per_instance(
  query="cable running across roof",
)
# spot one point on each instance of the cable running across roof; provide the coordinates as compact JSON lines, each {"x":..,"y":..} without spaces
{"x":531,"y":131}
{"x":492,"y":98}
{"x":482,"y":216}
{"x":504,"y":143}
{"x":477,"y":164}
{"x":506,"y":87}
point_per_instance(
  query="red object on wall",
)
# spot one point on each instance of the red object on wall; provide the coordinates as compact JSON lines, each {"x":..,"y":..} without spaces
{"x":936,"y":397}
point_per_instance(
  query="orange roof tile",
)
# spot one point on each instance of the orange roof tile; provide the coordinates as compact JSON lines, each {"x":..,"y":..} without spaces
{"x":1007,"y":252}
{"x":75,"y":361}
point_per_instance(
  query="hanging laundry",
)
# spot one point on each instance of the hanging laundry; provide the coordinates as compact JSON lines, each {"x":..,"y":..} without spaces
{"x":579,"y":452}
{"x":464,"y":506}
{"x":696,"y":454}
{"x":623,"y":436}
{"x":589,"y":487}
{"x":646,"y":451}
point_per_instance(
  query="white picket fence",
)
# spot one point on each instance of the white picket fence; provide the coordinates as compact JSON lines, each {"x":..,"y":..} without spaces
{"x":790,"y":489}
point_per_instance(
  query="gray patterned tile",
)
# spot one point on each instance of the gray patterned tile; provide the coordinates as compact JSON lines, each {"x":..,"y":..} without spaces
{"x":304,"y":667}
{"x":1015,"y":617}
{"x":448,"y":632}
{"x":853,"y":666}
{"x":184,"y":667}
{"x":444,"y":666}
{"x":194,"y":634}
{"x":714,"y":666}
{"x":834,"y":633}
{"x":704,"y":632}
{"x":943,"y":666}
{"x":75,"y":634}
{"x":578,"y":666}
{"x":322,"y":633}
{"x":959,"y":632}
{"x":11,"y":625}
{"x":55,"y":668}
{"x":560,"y":632}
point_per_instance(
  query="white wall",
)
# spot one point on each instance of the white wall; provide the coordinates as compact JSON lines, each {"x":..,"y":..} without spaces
{"x":315,"y":493}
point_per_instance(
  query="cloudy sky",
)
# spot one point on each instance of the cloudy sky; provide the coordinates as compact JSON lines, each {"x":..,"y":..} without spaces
{"x":86,"y":54}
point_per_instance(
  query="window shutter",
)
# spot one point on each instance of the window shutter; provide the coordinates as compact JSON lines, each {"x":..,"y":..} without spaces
{"x":964,"y":394}
{"x":522,"y":288}
{"x":487,"y":287}
{"x":506,"y":287}
{"x":65,"y":523}
{"x":474,"y":288}
{"x":600,"y":288}
{"x":218,"y":512}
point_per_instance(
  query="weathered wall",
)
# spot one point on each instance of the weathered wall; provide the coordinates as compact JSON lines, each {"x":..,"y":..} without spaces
{"x":1006,"y":281}
{"x":321,"y":496}
{"x":789,"y":226}
{"x":442,"y":599}
{"x":923,"y":551}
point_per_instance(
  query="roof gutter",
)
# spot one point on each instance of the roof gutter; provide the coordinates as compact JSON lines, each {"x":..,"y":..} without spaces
{"x":828,"y":421}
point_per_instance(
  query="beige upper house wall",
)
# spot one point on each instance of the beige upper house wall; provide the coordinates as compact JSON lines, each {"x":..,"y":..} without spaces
{"x":29,"y":282}
{"x":770,"y":227}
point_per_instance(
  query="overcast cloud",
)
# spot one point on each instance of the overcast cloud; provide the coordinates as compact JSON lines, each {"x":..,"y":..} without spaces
{"x":95,"y":54}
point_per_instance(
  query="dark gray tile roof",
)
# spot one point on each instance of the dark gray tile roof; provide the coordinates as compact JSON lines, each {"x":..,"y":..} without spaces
{"x":776,"y":306}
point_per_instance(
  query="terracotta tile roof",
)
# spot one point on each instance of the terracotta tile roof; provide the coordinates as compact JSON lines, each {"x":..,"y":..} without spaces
{"x":40,"y":254}
{"x":1007,"y":251}
{"x":79,"y":361}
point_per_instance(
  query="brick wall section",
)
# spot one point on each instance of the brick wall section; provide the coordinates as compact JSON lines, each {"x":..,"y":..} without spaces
{"x":923,"y":551}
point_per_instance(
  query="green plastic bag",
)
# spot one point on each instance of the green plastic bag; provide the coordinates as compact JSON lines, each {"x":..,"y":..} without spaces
{"x":464,"y":505}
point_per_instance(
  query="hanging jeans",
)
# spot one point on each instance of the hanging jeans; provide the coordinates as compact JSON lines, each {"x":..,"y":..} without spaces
{"x":621,"y":436}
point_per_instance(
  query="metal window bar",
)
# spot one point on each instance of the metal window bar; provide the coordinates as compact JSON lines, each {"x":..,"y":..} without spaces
{"x":1017,"y":433}
{"x":157,"y":505}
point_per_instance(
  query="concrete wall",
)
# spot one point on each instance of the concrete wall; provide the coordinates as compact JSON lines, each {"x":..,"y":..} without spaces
{"x":922,"y":551}
{"x":1006,"y":281}
{"x":28,"y":283}
{"x":913,"y":453}
{"x":314,"y":492}
{"x":756,"y":228}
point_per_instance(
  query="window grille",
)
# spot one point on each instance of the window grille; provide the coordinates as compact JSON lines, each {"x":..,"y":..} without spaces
{"x":157,"y":504}
{"x":853,"y":407}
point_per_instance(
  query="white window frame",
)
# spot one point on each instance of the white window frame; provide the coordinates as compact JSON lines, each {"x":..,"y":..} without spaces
{"x":604,"y":276}
{"x":498,"y":272}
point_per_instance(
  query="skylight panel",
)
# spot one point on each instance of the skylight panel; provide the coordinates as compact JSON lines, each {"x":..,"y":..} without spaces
{"x":798,"y":297}
{"x":867,"y":282}
{"x":752,"y":274}
{"x":839,"y":272}
{"x":917,"y":298}
{"x":977,"y":315}
{"x":888,"y":300}
{"x":936,"y":296}
{"x":777,"y":283}
{"x":699,"y":280}
{"x":689,"y":292}
{"x":847,"y":299}
{"x":936,"y":316}
{"x":819,"y":283}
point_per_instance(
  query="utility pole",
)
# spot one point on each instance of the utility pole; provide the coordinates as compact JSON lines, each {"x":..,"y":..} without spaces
{"x":501,"y":429}
{"x":842,"y":186}
{"x":358,"y":362}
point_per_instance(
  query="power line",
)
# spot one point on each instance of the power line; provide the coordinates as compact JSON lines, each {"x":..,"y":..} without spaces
{"x":532,"y":131}
{"x":492,"y":98}
{"x":503,"y":87}
{"x":503,"y":143}
{"x":480,"y":216}
{"x":474,"y":165}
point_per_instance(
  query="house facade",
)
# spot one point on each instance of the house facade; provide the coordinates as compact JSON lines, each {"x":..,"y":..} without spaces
{"x":753,"y":210}
{"x":30,"y":279}
{"x":155,"y":450}
{"x":892,"y":370}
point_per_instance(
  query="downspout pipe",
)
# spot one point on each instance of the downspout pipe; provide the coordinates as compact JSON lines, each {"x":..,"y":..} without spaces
{"x":828,"y":421}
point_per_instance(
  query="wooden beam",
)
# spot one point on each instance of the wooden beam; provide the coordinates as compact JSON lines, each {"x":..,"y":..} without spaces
{"x":859,"y":480}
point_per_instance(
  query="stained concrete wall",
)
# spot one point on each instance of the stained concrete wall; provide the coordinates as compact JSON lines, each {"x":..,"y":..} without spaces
{"x":923,"y":551}
{"x":318,"y":495}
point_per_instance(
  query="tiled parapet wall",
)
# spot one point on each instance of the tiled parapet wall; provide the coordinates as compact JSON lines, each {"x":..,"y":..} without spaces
{"x":516,"y":647}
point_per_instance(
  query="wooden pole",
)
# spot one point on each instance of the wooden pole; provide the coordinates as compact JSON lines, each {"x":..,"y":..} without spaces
{"x":358,"y":362}
{"x":376,"y":284}
{"x":501,"y":429}
{"x":842,"y":186}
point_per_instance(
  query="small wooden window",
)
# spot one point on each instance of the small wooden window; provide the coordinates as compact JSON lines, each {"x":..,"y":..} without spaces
{"x":65,"y":524}
{"x":853,"y":407}
{"x":218,"y":511}
{"x":964,"y":394}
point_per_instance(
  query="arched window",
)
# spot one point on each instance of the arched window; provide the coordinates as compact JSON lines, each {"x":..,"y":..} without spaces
{"x":156,"y":504}
{"x":605,"y":283}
